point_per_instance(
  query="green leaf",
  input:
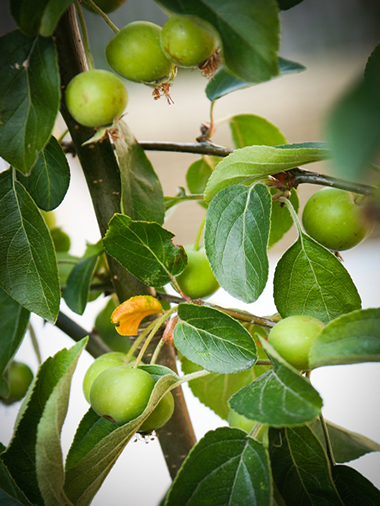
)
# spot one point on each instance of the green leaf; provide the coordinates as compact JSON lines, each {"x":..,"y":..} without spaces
{"x":97,"y":445}
{"x":280,"y":220}
{"x":28,"y":266}
{"x":14,"y":321}
{"x":300,"y":468}
{"x":215,"y":389}
{"x":351,"y":339}
{"x":141,"y":193}
{"x":248,"y":129}
{"x":249,"y":31}
{"x":198,"y":174}
{"x":224,"y":83}
{"x":225,"y":467}
{"x":213,"y":339}
{"x":280,"y":397}
{"x":310,"y":280}
{"x":9,"y":491}
{"x":35,"y":443}
{"x":38,"y":16}
{"x":353,"y":127}
{"x":49,"y":457}
{"x":66,"y":263}
{"x":253,"y":163}
{"x":29,"y":97}
{"x":236,"y":239}
{"x":346,"y":445}
{"x":50,"y":178}
{"x":78,"y":283}
{"x":354,"y":489}
{"x":107,"y":331}
{"x":145,"y":249}
{"x":287,"y":4}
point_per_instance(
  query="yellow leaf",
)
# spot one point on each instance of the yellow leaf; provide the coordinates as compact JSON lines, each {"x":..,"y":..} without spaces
{"x":127,"y":317}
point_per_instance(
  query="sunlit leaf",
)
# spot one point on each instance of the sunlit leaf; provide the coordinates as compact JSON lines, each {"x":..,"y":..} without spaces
{"x":249,"y":130}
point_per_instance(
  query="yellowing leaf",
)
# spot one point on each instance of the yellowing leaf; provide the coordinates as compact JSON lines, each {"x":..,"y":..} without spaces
{"x":127,"y":317}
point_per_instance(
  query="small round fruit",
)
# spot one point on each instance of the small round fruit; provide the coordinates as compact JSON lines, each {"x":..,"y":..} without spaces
{"x":121,"y":393}
{"x":107,"y":6}
{"x":135,"y":53}
{"x":20,"y":377}
{"x":293,"y":336}
{"x":187,"y":40}
{"x":112,"y":359}
{"x":239,"y":421}
{"x":61,"y":240}
{"x":161,"y":414}
{"x":332,"y":218}
{"x":197,"y":280}
{"x":94,"y":98}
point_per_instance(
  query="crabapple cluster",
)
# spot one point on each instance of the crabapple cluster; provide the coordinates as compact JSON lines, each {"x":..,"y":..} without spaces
{"x":119,"y":392}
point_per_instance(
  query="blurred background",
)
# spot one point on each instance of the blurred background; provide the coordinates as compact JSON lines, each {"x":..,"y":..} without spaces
{"x":333,"y":41}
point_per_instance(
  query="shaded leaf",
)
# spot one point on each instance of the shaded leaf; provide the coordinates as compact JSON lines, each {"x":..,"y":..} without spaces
{"x":9,"y":491}
{"x":280,"y":397}
{"x":21,"y":458}
{"x":310,"y":280}
{"x":14,"y":321}
{"x":38,"y":16}
{"x":354,"y":489}
{"x":350,"y":339}
{"x":128,"y":315}
{"x":97,"y":445}
{"x":50,"y":178}
{"x":213,"y":339}
{"x":248,"y":130}
{"x":224,"y":83}
{"x":227,"y":467}
{"x":287,"y":4}
{"x":346,"y":445}
{"x":215,"y":389}
{"x":29,"y":97}
{"x":141,"y":193}
{"x":78,"y":282}
{"x":249,"y":32}
{"x":280,"y":220}
{"x":236,"y":239}
{"x":145,"y":249}
{"x":300,"y":468}
{"x":28,"y":266}
{"x":66,"y":263}
{"x":253,"y":163}
{"x":353,"y":127}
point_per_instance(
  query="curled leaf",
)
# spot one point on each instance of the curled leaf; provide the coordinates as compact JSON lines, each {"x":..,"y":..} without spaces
{"x":128,"y":316}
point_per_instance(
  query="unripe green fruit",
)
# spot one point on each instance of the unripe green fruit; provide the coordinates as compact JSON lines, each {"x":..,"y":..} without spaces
{"x":187,"y":40}
{"x":332,"y":218}
{"x":161,"y":414}
{"x":197,"y":280}
{"x":61,"y":240}
{"x":107,"y":6}
{"x":112,"y":359}
{"x":293,"y":336}
{"x":135,"y":53}
{"x":20,"y":376}
{"x":94,"y":98}
{"x":121,"y":393}
{"x":239,"y":421}
{"x":50,"y":219}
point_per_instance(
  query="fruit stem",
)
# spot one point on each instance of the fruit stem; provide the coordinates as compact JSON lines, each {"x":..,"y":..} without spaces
{"x":35,"y":345}
{"x":86,"y":42}
{"x":157,"y":351}
{"x":255,"y":430}
{"x":139,"y":340}
{"x":157,"y":324}
{"x":102,"y":14}
{"x":199,"y":234}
